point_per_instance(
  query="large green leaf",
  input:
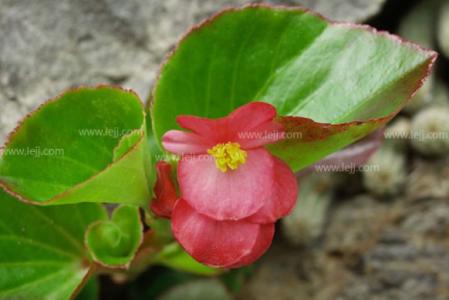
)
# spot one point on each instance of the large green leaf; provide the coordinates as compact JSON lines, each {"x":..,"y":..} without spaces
{"x":307,"y":67}
{"x":41,"y":248}
{"x":88,"y":145}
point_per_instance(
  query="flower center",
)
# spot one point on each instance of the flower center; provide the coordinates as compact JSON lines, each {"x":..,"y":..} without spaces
{"x":228,"y":155}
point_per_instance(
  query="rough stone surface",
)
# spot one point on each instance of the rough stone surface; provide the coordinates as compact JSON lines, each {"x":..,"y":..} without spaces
{"x":428,"y":179}
{"x":385,"y":172}
{"x":373,"y":251}
{"x":47,"y":46}
{"x":342,"y":10}
{"x":354,"y":225}
{"x":305,"y":224}
{"x":430,"y":130}
{"x":409,"y":260}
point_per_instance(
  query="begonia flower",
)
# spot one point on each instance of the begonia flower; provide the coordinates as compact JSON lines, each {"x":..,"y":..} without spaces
{"x":232,"y":189}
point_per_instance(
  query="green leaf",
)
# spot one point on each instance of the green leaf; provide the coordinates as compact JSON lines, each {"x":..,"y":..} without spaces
{"x":304,"y":65}
{"x":87,"y":145}
{"x":114,"y":243}
{"x":175,"y":257}
{"x":125,"y":144}
{"x":41,"y":248}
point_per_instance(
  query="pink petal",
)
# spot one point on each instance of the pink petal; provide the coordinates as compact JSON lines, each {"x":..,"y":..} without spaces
{"x":215,"y":130}
{"x":252,"y":124}
{"x":181,"y":142}
{"x":164,"y":191}
{"x":211,"y":242}
{"x":232,"y":195}
{"x":264,"y":239}
{"x":252,"y":115}
{"x":283,"y":198}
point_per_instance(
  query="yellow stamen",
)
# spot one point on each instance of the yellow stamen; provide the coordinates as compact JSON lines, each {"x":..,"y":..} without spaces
{"x":228,"y":155}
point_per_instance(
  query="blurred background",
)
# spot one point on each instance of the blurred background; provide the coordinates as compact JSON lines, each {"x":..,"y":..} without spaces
{"x":373,"y":231}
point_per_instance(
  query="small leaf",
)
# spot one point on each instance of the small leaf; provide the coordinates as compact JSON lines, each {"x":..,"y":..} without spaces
{"x":331,"y":83}
{"x":114,"y":243}
{"x":88,"y":145}
{"x":41,"y":248}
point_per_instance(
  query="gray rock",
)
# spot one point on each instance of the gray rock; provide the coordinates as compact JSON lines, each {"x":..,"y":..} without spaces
{"x":413,"y":265}
{"x":292,"y":274}
{"x":428,"y":180}
{"x":430,"y":131}
{"x":354,"y":225}
{"x":50,"y":45}
{"x":305,"y":224}
{"x":385,"y":173}
{"x":341,"y":10}
{"x":373,"y":250}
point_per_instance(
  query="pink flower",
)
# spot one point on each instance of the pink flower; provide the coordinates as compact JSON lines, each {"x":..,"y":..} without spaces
{"x":232,"y":189}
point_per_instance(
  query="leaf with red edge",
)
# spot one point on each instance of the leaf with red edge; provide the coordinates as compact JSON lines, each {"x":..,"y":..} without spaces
{"x":331,"y":83}
{"x":87,"y":145}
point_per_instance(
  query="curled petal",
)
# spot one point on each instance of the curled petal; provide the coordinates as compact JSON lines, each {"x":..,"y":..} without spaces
{"x":231,"y":195}
{"x":252,"y":115}
{"x":164,"y":191}
{"x":283,"y":197}
{"x":181,"y":142}
{"x":216,"y":243}
{"x":214,"y":130}
{"x":253,"y":125}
